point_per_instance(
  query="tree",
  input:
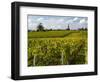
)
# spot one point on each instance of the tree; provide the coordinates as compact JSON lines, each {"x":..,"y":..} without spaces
{"x":83,"y":29}
{"x":29,"y":30}
{"x":40,"y":27}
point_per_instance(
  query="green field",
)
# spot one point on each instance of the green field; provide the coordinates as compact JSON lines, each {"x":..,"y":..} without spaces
{"x":62,"y":47}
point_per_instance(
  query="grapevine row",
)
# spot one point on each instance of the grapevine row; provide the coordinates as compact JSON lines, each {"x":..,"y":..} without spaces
{"x":56,"y":52}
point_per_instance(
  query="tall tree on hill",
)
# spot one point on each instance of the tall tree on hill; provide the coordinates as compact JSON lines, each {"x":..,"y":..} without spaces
{"x":40,"y":27}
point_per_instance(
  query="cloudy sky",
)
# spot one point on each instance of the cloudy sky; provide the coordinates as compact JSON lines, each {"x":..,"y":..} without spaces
{"x":57,"y":22}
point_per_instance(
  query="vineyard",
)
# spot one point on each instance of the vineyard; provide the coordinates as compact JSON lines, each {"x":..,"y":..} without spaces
{"x":52,"y":48}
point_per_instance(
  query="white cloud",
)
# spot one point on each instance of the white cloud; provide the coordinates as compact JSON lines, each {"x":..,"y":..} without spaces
{"x":53,"y":20}
{"x":75,"y":19}
{"x":72,"y":20}
{"x":39,"y":19}
{"x":29,"y":20}
{"x":82,"y":21}
{"x":60,"y":20}
{"x":69,"y":21}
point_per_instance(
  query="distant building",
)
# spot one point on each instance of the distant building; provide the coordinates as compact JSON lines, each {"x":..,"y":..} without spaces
{"x":68,"y":28}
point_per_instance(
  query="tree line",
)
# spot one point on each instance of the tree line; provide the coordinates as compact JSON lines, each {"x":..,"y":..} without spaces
{"x":40,"y":27}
